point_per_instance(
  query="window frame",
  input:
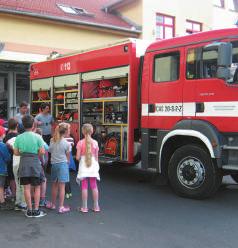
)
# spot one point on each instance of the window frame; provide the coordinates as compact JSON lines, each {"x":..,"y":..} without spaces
{"x":167,"y":54}
{"x":198,"y":58}
{"x":199,"y":63}
{"x":73,"y":10}
{"x":222,"y":4}
{"x":232,"y":5}
{"x":164,"y":25}
{"x":193,"y":31}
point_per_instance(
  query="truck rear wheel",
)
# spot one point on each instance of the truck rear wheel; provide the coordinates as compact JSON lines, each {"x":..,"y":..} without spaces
{"x":192,"y":173}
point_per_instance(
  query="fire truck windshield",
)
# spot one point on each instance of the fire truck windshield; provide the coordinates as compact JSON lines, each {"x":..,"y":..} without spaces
{"x":213,"y":61}
{"x":233,"y":79}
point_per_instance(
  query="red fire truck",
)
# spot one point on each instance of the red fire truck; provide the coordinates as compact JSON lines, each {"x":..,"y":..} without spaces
{"x":172,"y":103}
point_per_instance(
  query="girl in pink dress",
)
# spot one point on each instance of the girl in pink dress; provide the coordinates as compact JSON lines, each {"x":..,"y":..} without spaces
{"x":87,"y":154}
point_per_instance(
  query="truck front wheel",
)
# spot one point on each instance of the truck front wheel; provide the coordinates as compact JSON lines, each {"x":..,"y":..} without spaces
{"x":192,"y":173}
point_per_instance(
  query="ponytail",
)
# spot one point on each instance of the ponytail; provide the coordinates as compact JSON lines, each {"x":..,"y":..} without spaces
{"x":56,"y":136}
{"x":60,"y":130}
{"x":87,"y":131}
{"x":88,"y":156}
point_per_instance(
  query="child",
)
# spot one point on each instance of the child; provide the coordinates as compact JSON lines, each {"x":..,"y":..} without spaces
{"x":59,"y":149}
{"x":20,"y":203}
{"x":29,"y":146}
{"x":87,"y":153}
{"x":4,"y":159}
{"x":43,"y":161}
{"x":72,"y":166}
{"x":12,"y":132}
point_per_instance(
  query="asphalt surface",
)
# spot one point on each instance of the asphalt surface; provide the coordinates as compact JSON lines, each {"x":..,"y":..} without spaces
{"x":135,"y":213}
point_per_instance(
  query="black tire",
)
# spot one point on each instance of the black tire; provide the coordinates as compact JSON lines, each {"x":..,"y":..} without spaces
{"x":235,"y":177}
{"x":192,"y":173}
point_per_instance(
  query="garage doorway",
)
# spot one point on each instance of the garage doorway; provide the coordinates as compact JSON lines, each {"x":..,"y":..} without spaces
{"x":14,"y":87}
{"x":3,"y":95}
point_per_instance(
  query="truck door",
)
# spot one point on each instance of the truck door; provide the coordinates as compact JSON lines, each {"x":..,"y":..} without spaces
{"x":190,"y":83}
{"x":165,"y":89}
{"x":210,"y":98}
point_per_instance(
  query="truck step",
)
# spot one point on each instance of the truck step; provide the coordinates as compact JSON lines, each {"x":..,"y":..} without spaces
{"x":153,"y":153}
{"x":230,"y":167}
{"x":225,"y":147}
{"x":107,"y":160}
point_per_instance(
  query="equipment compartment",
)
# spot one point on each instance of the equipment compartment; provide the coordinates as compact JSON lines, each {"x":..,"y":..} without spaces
{"x":105,"y":106}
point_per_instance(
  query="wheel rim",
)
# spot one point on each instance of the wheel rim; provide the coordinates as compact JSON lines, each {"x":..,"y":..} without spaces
{"x":191,"y":172}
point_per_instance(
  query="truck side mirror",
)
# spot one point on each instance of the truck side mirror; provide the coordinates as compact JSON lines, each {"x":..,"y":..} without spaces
{"x":224,"y":58}
{"x":224,"y":54}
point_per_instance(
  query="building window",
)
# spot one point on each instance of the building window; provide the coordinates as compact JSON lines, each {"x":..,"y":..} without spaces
{"x":193,"y":27}
{"x":164,"y":26}
{"x":232,"y":5}
{"x":73,"y":10}
{"x":166,"y":67}
{"x":219,"y":3}
{"x":67,"y":9}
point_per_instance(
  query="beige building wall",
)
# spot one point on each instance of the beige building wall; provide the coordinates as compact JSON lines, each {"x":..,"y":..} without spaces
{"x":200,"y":11}
{"x":224,"y":18}
{"x":37,"y":35}
{"x":133,"y":11}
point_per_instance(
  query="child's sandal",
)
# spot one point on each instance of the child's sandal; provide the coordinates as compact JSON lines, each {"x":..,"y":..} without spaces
{"x":83,"y":210}
{"x":64,"y":209}
{"x":50,"y":205}
{"x":96,"y":210}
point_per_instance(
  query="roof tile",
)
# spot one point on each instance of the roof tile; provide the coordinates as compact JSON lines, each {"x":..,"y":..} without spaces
{"x":49,"y":8}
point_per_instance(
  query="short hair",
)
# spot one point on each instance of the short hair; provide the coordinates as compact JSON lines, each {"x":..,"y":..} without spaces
{"x":44,"y":105}
{"x":12,"y":124}
{"x":23,"y":104}
{"x":27,"y":121}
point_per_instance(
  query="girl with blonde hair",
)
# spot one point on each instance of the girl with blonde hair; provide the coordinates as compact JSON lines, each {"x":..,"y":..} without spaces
{"x":60,"y":152}
{"x":87,"y":154}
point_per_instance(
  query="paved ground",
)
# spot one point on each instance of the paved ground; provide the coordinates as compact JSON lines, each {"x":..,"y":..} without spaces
{"x":135,"y":213}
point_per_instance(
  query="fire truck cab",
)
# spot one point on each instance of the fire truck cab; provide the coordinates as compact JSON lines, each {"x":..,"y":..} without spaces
{"x":189,"y":121}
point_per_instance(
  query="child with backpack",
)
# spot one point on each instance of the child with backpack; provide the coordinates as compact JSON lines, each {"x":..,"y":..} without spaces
{"x":4,"y":159}
{"x":72,"y":166}
{"x":87,"y":154}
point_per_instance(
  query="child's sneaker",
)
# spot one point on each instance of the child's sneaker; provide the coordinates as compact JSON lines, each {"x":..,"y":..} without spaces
{"x":28,"y":213}
{"x":38,"y":213}
{"x":68,"y":195}
{"x":20,"y":207}
{"x":8,"y":192}
{"x":6,"y":206}
{"x":42,"y":203}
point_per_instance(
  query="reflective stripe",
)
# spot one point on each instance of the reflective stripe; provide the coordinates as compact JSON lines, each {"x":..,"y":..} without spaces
{"x":211,"y":109}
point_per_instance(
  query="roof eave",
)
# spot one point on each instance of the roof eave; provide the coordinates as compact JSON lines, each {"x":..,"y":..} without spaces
{"x":70,"y":21}
{"x":112,"y":6}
